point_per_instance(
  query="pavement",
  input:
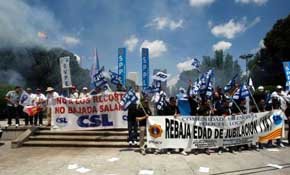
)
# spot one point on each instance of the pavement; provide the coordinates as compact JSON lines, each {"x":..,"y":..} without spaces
{"x":112,"y":161}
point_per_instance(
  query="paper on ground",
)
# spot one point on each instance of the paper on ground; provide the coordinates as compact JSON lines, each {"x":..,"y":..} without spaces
{"x":275,"y":166}
{"x":273,"y":149}
{"x":83,"y":170}
{"x":113,"y":159}
{"x":146,"y":172}
{"x":203,"y":169}
{"x":72,"y":166}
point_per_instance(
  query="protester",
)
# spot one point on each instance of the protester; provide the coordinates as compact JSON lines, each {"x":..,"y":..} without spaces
{"x":287,"y":113}
{"x":132,"y":124}
{"x":96,"y":91}
{"x":143,"y":113}
{"x":84,"y":93}
{"x":40,"y":102}
{"x":74,"y":92}
{"x":28,"y":119}
{"x":192,"y":99}
{"x":13,"y":108}
{"x":51,"y":94}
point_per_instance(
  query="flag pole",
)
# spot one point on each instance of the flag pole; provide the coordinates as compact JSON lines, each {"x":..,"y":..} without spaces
{"x":235,"y":102}
{"x":254,"y":100}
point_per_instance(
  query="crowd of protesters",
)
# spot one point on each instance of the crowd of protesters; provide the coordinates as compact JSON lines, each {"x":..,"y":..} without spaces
{"x":219,"y":104}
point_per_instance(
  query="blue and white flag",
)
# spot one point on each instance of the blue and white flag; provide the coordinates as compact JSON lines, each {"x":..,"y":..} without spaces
{"x":160,"y":76}
{"x":231,"y":84}
{"x":115,"y":78}
{"x":206,"y":84}
{"x":156,"y":87}
{"x":99,"y":79}
{"x":129,"y":98}
{"x":241,"y":93}
{"x":196,"y":64}
{"x":161,"y":103}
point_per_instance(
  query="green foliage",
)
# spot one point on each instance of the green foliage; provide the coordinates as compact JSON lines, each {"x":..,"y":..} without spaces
{"x":267,"y":68}
{"x":39,"y":67}
{"x":3,"y":91}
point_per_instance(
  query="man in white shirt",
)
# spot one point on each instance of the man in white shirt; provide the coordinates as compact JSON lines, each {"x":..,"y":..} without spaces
{"x":12,"y":99}
{"x":29,"y":119}
{"x":40,"y":102}
{"x":74,"y":92}
{"x":51,"y":94}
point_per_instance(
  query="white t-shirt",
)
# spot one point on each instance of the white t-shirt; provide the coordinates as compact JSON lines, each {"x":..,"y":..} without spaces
{"x":50,"y":96}
{"x":39,"y":100}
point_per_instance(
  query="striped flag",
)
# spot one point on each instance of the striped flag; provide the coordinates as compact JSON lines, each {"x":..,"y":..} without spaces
{"x":241,"y":93}
{"x":129,"y":98}
{"x":31,"y":110}
{"x":99,"y":79}
{"x":115,"y":78}
{"x":231,"y":84}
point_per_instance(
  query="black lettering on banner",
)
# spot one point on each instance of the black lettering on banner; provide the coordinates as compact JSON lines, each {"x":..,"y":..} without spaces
{"x":167,"y":128}
{"x":175,"y":129}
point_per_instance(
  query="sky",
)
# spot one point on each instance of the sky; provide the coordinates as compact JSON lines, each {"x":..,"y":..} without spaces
{"x":175,"y":31}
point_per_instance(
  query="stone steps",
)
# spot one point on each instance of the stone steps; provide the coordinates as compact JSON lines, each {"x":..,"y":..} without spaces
{"x":112,"y":138}
{"x":79,"y":138}
{"x":62,"y":143}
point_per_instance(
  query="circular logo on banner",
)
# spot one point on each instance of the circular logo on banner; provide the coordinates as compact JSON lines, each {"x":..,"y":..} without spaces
{"x":155,"y":131}
{"x":277,"y":119}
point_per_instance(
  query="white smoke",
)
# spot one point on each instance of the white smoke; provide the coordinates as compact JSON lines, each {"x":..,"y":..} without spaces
{"x":11,"y":77}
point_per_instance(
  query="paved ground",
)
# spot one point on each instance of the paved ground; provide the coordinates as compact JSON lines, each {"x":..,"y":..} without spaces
{"x":55,"y":161}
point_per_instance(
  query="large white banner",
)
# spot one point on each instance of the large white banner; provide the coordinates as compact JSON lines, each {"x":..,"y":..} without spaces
{"x":96,"y":112}
{"x":65,"y":72}
{"x":213,"y":131}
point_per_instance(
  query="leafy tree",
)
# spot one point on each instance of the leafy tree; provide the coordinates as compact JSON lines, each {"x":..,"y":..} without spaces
{"x":266,"y":68}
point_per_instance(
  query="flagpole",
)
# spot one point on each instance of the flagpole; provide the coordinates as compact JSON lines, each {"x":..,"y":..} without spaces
{"x":235,"y":102}
{"x":254,"y":100}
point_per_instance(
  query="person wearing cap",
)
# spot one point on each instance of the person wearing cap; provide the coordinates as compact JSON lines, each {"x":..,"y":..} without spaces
{"x":143,"y":113}
{"x":85,"y":93}
{"x":12,"y":99}
{"x":74,"y":92}
{"x":39,"y":101}
{"x":51,"y":94}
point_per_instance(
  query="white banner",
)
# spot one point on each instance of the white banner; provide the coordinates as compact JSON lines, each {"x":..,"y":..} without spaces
{"x":96,"y":112}
{"x":65,"y":72}
{"x":213,"y":131}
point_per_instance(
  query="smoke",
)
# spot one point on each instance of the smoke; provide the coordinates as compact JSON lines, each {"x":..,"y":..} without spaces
{"x":21,"y":26}
{"x":11,"y":77}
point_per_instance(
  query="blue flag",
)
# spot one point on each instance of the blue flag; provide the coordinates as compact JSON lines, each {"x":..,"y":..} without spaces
{"x":115,"y":78}
{"x":196,"y":64}
{"x":129,"y":98}
{"x":241,"y":93}
{"x":231,"y":84}
{"x":99,"y":79}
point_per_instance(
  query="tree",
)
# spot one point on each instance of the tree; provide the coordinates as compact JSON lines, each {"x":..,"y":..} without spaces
{"x":267,"y":68}
{"x":39,"y":67}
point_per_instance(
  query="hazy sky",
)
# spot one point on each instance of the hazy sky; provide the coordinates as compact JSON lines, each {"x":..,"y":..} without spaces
{"x":173,"y":30}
